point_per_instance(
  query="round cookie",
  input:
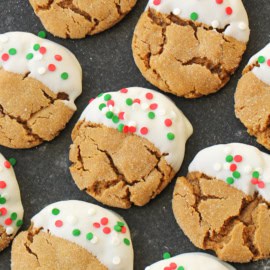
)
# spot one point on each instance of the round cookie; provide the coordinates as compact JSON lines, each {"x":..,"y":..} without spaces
{"x":252,"y":97}
{"x":74,"y":235}
{"x":77,"y":19}
{"x":224,"y":202}
{"x":183,"y":48}
{"x":191,"y":261}
{"x":11,"y":209}
{"x":39,"y":81}
{"x":127,"y":146}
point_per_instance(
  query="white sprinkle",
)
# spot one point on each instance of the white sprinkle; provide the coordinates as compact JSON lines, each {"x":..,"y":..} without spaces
{"x":226,"y":166}
{"x":9,"y":230}
{"x":145,"y":106}
{"x":215,"y":24}
{"x":111,"y":108}
{"x":242,"y":26}
{"x":115,"y":241}
{"x":104,"y":110}
{"x":227,"y":150}
{"x":217,"y":167}
{"x":247,"y":169}
{"x":41,"y":70}
{"x":116,"y":260}
{"x":91,"y":212}
{"x":176,"y":11}
{"x":3,"y":39}
{"x":94,"y":240}
{"x":72,"y":220}
{"x":132,"y":124}
{"x":38,"y":57}
{"x":173,"y":114}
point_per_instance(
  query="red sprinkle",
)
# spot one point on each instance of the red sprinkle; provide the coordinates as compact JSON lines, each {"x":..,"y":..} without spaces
{"x":261,"y":184}
{"x":7,"y":164}
{"x":136,"y":100}
{"x":229,"y":10}
{"x":3,"y":211}
{"x":8,"y":221}
{"x":121,"y":115}
{"x":173,"y":265}
{"x":96,"y":225}
{"x":124,"y":229}
{"x":238,"y":158}
{"x":157,"y":2}
{"x":110,"y":103}
{"x":219,"y":1}
{"x":107,"y":230}
{"x":104,"y":221}
{"x":51,"y":67}
{"x":168,"y":122}
{"x":42,"y":50}
{"x":125,"y":129}
{"x":58,"y":57}
{"x":268,"y":62}
{"x":5,"y":57}
{"x":91,"y":100}
{"x":132,"y":129}
{"x":233,"y":167}
{"x":149,"y":96}
{"x":254,"y":181}
{"x":153,"y":106}
{"x":3,"y":184}
{"x":58,"y":223}
{"x":124,"y":90}
{"x":144,"y":130}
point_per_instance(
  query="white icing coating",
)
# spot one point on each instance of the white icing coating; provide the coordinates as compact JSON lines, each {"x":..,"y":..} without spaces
{"x":78,"y":215}
{"x":210,"y":13}
{"x":253,"y":160}
{"x":192,"y":261}
{"x":11,"y":209}
{"x":263,"y":71}
{"x":137,"y":116}
{"x":38,"y":66}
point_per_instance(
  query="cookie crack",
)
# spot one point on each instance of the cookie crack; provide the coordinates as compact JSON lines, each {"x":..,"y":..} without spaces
{"x":45,"y":6}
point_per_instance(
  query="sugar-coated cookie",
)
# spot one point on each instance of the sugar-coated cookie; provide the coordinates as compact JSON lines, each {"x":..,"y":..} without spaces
{"x":190,"y":48}
{"x":223,"y":203}
{"x":252,"y":97}
{"x":77,"y":19}
{"x":127,"y":146}
{"x":39,"y":82}
{"x":191,"y":261}
{"x":11,"y":209}
{"x":74,"y":235}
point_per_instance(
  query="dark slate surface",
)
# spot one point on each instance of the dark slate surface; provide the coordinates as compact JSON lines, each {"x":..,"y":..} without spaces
{"x":107,"y":64}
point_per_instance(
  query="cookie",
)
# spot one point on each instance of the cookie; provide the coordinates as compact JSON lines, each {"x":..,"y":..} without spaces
{"x":191,"y":261}
{"x":190,"y":48}
{"x":39,"y":81}
{"x":252,"y":97}
{"x":74,"y":235}
{"x":77,"y":19}
{"x":11,"y":209}
{"x":223,"y":203}
{"x":127,"y":146}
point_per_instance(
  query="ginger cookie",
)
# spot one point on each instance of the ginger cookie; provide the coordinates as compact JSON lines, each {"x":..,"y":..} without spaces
{"x":39,"y":81}
{"x":191,"y":261}
{"x":224,"y":202}
{"x":74,"y":235}
{"x":252,"y":97}
{"x":77,"y":19}
{"x":11,"y":209}
{"x":127,"y":146}
{"x":190,"y":48}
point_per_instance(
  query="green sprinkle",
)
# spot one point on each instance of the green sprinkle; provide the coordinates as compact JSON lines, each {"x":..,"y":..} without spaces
{"x":64,"y":76}
{"x":2,"y":200}
{"x":261,"y":59}
{"x":170,"y":136}
{"x":29,"y":56}
{"x":13,"y":216}
{"x":120,"y":223}
{"x":100,"y":95}
{"x":194,"y":16}
{"x":55,"y":211}
{"x":230,"y":180}
{"x":36,"y":47}
{"x":107,"y":97}
{"x":19,"y":223}
{"x":151,"y":115}
{"x":256,"y":174}
{"x":109,"y":115}
{"x":166,"y":255}
{"x":115,"y":119}
{"x":236,"y":174}
{"x":42,"y":34}
{"x":181,"y":268}
{"x":89,"y":236}
{"x":229,"y":158}
{"x":12,"y":161}
{"x":117,"y":228}
{"x":126,"y":242}
{"x":120,"y":127}
{"x":76,"y":232}
{"x":12,"y":51}
{"x":101,"y":106}
{"x":129,"y":101}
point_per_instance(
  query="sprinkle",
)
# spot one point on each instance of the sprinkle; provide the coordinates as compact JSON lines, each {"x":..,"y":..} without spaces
{"x":228,"y":10}
{"x":89,"y":236}
{"x":64,"y":75}
{"x":151,"y":115}
{"x":107,"y":97}
{"x":2,"y":184}
{"x":136,"y":100}
{"x":132,"y":129}
{"x":58,"y":223}
{"x":13,"y":216}
{"x":126,"y":242}
{"x":254,"y":181}
{"x":104,"y":221}
{"x":42,"y":50}
{"x":261,"y":184}
{"x":156,"y":2}
{"x":194,"y":16}
{"x":219,"y":2}
{"x":94,"y":240}
{"x":129,"y":101}
{"x":109,"y":115}
{"x":19,"y":223}
{"x":115,"y":119}
{"x":176,"y":11}
{"x":215,"y":24}
{"x":170,"y":136}
{"x":7,"y":164}
{"x":8,"y":221}
{"x":233,"y":167}
{"x":12,"y":51}
{"x":101,"y":106}
{"x":12,"y":161}
{"x":117,"y":228}
{"x":42,"y":34}
{"x":96,"y":225}
{"x":9,"y":230}
{"x":55,"y":211}
{"x":51,"y":67}
{"x":153,"y":106}
{"x":5,"y":57}
{"x":72,"y":220}
{"x":123,"y":229}
{"x":121,"y":115}
{"x":144,"y":130}
{"x":116,"y":260}
{"x":3,"y":211}
{"x":149,"y":96}
{"x":242,"y":26}
{"x":256,"y":174}
{"x":110,"y":103}
{"x":230,"y":180}
{"x":107,"y":230}
{"x":229,"y":158}
{"x":236,"y":174}
{"x":166,"y":255}
{"x":91,"y":211}
{"x":120,"y":127}
{"x":76,"y":232}
{"x":238,"y":158}
{"x":168,"y":122}
{"x":124,"y":90}
{"x":261,"y":59}
{"x":29,"y":56}
{"x":41,"y":70}
{"x":58,"y":57}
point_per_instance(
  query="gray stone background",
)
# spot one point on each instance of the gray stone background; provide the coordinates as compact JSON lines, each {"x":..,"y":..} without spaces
{"x":108,"y":65}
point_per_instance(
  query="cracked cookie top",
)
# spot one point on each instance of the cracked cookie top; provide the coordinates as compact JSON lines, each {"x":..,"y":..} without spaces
{"x":228,"y":15}
{"x":48,"y":62}
{"x":11,"y":209}
{"x":101,"y":232}
{"x":242,"y":166}
{"x":191,"y":261}
{"x":261,"y":60}
{"x":145,"y":113}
